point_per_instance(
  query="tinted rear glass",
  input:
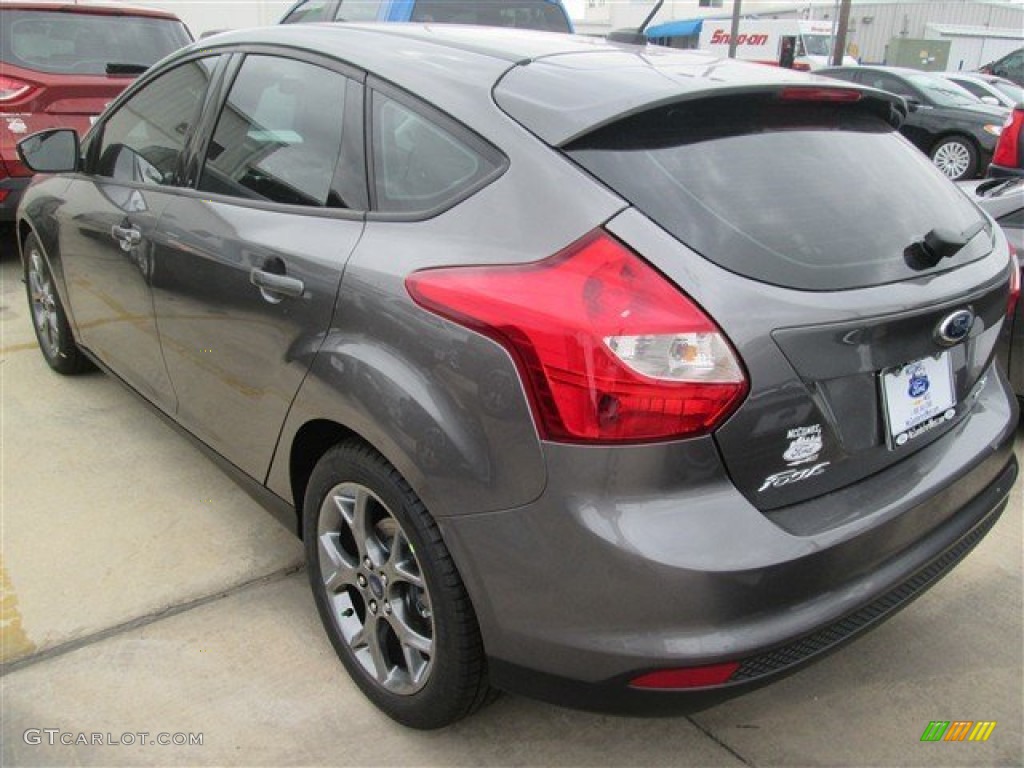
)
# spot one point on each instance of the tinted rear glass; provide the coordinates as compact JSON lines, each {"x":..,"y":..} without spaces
{"x":83,"y":43}
{"x":523,"y":14}
{"x":793,"y":194}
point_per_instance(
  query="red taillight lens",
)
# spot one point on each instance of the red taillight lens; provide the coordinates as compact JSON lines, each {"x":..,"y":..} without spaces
{"x":1015,"y":280}
{"x":803,"y":93}
{"x":609,"y":349}
{"x":11,"y":88}
{"x":1007,"y":152}
{"x":690,"y":677}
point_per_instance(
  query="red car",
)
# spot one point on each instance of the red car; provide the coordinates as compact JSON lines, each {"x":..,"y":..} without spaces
{"x":60,"y":65}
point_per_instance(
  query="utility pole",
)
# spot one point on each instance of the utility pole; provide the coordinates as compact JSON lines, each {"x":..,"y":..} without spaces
{"x":840,"y":41}
{"x":736,"y":28}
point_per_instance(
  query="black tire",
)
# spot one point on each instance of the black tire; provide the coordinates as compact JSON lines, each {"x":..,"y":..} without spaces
{"x":49,"y":320}
{"x":353,"y":482}
{"x":956,"y":157}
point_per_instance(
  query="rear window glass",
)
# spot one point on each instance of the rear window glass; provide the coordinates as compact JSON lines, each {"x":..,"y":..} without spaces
{"x":83,"y":43}
{"x":523,"y":14}
{"x":798,"y":195}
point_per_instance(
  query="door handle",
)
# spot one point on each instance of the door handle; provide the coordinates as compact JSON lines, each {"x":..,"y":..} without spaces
{"x":128,"y":236}
{"x":268,"y":282}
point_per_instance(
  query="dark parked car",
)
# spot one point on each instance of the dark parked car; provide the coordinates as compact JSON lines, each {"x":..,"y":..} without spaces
{"x":548,"y":15}
{"x":1003,"y":200}
{"x":947,"y":123}
{"x":1008,"y":159}
{"x":61,"y":64}
{"x":567,"y":385}
{"x":1010,"y":66}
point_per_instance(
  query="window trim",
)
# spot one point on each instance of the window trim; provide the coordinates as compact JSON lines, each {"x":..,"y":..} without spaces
{"x":351,"y":131}
{"x":376,"y":85}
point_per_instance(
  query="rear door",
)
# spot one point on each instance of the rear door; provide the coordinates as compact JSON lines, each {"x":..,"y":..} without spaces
{"x":249,"y":264}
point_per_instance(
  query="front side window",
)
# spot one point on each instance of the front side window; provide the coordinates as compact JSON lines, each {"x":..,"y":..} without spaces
{"x":143,"y":140}
{"x":418,"y":164}
{"x":278,"y":137}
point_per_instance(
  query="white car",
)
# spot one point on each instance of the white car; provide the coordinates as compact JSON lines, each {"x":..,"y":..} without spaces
{"x":991,"y":89}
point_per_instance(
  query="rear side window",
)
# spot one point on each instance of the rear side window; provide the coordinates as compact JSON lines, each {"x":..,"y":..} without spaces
{"x":143,"y":140}
{"x":278,"y":137}
{"x":523,"y":14}
{"x":815,"y":197}
{"x":423,"y":163}
{"x":85,"y":43}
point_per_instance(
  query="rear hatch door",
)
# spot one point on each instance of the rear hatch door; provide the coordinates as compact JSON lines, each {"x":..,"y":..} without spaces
{"x":863,"y":292}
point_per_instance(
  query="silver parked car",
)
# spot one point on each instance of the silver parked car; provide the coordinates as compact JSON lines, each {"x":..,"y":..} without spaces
{"x":625,"y":378}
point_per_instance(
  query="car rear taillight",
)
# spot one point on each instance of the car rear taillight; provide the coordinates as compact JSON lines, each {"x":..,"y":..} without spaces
{"x":11,"y":88}
{"x":1015,"y":280}
{"x":686,"y":677}
{"x":804,"y":93}
{"x":609,"y":350}
{"x":1008,"y":147}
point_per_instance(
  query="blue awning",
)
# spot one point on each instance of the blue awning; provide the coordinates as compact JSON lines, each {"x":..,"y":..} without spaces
{"x":677,"y":28}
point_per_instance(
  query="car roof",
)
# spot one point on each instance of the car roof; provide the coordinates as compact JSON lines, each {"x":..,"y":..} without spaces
{"x":100,"y":10}
{"x":557,"y":85}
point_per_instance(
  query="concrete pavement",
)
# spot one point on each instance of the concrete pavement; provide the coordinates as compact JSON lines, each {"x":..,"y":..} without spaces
{"x":142,"y":591}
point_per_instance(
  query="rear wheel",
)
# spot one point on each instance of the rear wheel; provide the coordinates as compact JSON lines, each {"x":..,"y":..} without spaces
{"x":388,"y":592}
{"x":48,"y":318}
{"x":956,"y":157}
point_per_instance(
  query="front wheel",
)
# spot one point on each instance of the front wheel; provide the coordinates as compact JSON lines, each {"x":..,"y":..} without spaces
{"x":49,"y":320}
{"x":956,"y":157}
{"x":388,"y":592}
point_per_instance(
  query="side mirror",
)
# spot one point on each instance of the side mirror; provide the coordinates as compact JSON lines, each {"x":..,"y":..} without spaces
{"x":52,"y":151}
{"x":912,"y":104}
{"x":990,"y":100}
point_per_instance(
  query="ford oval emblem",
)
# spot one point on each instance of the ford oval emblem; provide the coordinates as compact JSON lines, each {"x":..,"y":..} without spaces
{"x":954,"y":328}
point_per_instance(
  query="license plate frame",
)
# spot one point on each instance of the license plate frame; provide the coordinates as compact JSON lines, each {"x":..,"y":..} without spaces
{"x":917,"y":397}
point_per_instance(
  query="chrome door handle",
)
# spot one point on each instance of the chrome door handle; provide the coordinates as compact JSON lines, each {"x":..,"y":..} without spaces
{"x":268,"y":282}
{"x":128,"y":237}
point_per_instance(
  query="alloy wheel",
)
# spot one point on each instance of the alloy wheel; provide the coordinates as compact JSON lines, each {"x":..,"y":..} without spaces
{"x":953,"y":159}
{"x":44,"y":304}
{"x":375,"y":587}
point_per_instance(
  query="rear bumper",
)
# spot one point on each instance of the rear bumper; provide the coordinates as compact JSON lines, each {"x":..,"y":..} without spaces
{"x":11,"y":190}
{"x":668,"y":567}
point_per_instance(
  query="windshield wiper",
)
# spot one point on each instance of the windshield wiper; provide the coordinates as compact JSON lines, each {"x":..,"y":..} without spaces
{"x":940,"y":243}
{"x":117,"y":68}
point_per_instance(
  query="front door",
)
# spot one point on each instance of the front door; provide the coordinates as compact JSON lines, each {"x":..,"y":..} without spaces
{"x":110,"y":221}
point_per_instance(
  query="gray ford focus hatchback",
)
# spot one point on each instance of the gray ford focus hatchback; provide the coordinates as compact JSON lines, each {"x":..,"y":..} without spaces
{"x":626,"y":378}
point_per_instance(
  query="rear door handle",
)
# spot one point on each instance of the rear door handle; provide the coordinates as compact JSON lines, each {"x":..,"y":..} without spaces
{"x":128,"y":236}
{"x":268,"y":282}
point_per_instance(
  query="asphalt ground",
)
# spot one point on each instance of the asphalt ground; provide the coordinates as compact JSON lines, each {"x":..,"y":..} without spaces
{"x":142,"y":592}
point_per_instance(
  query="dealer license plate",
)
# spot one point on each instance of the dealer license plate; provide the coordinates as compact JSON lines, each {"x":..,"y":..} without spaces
{"x":918,"y":397}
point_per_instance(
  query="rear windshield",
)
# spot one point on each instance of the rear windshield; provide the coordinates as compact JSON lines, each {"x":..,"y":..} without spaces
{"x":522,"y":14}
{"x":85,"y":43}
{"x":815,"y":197}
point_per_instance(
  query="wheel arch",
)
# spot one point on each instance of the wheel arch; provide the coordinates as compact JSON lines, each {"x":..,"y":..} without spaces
{"x":311,"y":442}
